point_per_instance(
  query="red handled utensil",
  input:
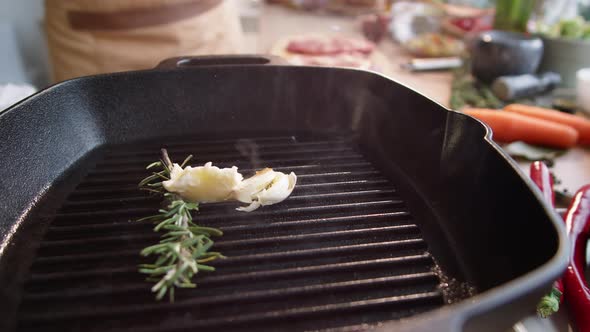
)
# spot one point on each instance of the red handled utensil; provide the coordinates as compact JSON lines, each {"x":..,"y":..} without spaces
{"x":573,"y":283}
{"x":577,"y":293}
{"x":541,"y":176}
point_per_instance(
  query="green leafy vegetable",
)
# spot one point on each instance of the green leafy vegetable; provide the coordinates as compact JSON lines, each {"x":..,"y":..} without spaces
{"x":574,"y":28}
{"x":526,"y":151}
{"x":466,"y":91}
{"x":549,"y":303}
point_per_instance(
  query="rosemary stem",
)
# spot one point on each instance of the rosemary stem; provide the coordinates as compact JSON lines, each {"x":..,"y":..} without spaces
{"x":184,"y":246}
{"x":186,"y":254}
{"x":166,"y":158}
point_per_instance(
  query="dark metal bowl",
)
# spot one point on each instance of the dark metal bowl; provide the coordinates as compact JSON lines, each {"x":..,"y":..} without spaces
{"x":500,"y":53}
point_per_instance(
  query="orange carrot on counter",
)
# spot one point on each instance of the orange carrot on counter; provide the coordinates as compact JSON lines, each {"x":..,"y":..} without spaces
{"x":579,"y":123}
{"x":510,"y":127}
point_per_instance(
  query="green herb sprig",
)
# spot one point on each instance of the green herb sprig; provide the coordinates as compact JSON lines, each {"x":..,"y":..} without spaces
{"x":467,"y":91}
{"x":184,"y":247}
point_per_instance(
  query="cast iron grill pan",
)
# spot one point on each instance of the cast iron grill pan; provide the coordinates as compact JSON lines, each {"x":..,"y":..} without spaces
{"x":342,"y":251}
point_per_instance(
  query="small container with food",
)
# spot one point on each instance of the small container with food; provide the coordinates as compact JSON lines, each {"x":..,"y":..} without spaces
{"x":434,"y":44}
{"x":417,"y":27}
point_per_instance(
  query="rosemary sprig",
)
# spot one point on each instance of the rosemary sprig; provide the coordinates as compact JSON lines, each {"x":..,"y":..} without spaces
{"x":153,"y":183}
{"x":184,"y":247}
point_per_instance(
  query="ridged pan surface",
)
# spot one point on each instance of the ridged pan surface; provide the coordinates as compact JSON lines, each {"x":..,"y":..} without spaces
{"x":343,"y":250}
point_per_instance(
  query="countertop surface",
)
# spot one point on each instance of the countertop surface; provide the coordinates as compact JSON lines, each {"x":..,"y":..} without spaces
{"x":274,"y":23}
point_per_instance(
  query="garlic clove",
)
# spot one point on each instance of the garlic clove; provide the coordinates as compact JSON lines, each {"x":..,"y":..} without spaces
{"x":246,"y":191}
{"x":276,"y":190}
{"x":203,"y":184}
{"x":253,"y":206}
{"x":279,"y":190}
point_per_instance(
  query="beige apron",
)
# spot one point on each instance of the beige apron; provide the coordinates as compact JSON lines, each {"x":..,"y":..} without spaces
{"x":88,"y":37}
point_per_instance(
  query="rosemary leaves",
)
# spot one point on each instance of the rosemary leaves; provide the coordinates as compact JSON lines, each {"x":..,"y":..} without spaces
{"x":184,"y":246}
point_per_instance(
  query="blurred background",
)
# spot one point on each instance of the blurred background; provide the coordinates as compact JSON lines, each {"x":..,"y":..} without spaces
{"x":24,"y":53}
{"x":50,"y":41}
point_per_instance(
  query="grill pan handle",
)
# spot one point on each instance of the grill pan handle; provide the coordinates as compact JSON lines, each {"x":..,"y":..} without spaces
{"x":220,"y":60}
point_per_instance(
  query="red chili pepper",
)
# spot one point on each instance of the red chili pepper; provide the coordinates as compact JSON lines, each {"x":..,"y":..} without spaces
{"x":577,"y":223}
{"x":541,"y":176}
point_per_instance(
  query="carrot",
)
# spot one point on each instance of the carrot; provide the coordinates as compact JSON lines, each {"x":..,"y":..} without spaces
{"x":581,"y":124}
{"x":510,"y":127}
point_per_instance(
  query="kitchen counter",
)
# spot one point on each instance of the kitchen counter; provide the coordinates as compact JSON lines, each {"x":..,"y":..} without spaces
{"x":275,"y":22}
